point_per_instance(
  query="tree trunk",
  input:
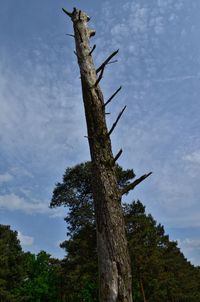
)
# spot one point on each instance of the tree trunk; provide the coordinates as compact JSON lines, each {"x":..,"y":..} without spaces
{"x":142,"y":290}
{"x":115,"y":281}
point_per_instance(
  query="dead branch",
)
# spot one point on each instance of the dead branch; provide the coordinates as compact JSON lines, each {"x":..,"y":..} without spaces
{"x":107,"y":60}
{"x":112,"y":62}
{"x":117,"y":119}
{"x":117,"y":156}
{"x":92,"y":33}
{"x":99,"y":78}
{"x":70,"y":35}
{"x":75,"y":53}
{"x":132,"y":185}
{"x":93,"y":48}
{"x":67,"y":13}
{"x":112,"y":96}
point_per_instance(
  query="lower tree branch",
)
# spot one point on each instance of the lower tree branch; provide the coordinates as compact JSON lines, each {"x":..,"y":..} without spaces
{"x":132,"y":185}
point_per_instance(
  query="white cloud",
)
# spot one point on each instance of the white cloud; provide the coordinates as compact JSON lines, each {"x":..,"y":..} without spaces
{"x":189,"y":243}
{"x":6,"y":177}
{"x":12,"y":202}
{"x":138,"y":18}
{"x":58,"y":243}
{"x":193,"y":157}
{"x":19,"y":171}
{"x":25,"y":240}
{"x":190,"y":248}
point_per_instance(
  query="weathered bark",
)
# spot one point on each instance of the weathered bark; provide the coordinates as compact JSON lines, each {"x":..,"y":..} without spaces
{"x":114,"y":263}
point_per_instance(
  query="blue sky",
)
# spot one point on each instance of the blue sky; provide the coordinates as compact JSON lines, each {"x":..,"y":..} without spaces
{"x":42,"y":124}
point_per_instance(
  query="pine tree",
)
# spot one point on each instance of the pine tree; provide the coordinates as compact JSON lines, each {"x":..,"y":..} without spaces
{"x":75,"y":192}
{"x":11,"y":259}
{"x":161,"y":273}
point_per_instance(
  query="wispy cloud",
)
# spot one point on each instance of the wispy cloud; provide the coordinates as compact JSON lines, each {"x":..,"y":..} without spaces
{"x":194,"y":157}
{"x":191,"y":249}
{"x":162,"y":121}
{"x":6,"y":177}
{"x":25,"y":240}
{"x":190,"y":243}
{"x":39,"y":111}
{"x":13,"y":202}
{"x":177,"y":78}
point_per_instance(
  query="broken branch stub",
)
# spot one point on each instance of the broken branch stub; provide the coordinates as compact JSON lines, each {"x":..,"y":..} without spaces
{"x":112,"y":96}
{"x":107,"y":61}
{"x":136,"y":182}
{"x":117,"y":156}
{"x":117,"y":120}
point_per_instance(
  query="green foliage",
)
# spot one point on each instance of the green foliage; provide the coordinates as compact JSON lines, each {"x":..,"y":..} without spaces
{"x":157,"y":263}
{"x":80,"y":263}
{"x":11,"y":258}
{"x":75,"y":192}
{"x":24,"y":276}
{"x":160,"y":271}
{"x":42,"y":279}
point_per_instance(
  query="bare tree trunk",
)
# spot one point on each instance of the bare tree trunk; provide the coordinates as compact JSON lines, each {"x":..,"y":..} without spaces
{"x":142,"y":290}
{"x":115,"y":280}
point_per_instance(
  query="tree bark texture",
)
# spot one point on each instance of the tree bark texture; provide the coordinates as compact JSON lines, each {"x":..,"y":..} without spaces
{"x":115,"y":280}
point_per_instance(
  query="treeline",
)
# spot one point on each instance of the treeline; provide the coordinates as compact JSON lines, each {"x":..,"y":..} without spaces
{"x":161,"y":273}
{"x":25,"y":276}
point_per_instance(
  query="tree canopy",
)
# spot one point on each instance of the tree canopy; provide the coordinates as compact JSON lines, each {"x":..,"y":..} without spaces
{"x":160,"y":270}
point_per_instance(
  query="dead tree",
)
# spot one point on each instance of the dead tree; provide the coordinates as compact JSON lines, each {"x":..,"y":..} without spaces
{"x":114,"y":263}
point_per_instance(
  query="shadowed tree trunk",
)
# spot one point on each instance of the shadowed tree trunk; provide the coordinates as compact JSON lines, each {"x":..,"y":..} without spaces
{"x":114,"y":263}
{"x":142,"y":289}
